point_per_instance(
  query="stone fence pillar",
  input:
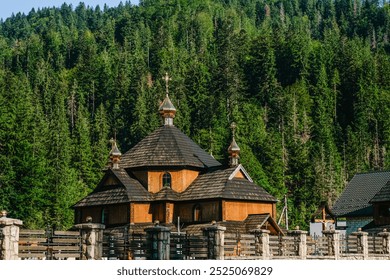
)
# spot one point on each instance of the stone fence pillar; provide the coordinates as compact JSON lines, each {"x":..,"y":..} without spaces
{"x":92,"y":240}
{"x":362,"y":242}
{"x":300,"y":242}
{"x":216,"y":239}
{"x":333,"y":240}
{"x":262,"y":243}
{"x":385,"y":241}
{"x":159,"y":239}
{"x":9,"y":237}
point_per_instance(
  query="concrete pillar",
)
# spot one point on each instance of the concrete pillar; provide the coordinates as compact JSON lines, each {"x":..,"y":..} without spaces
{"x":262,"y":243}
{"x":159,"y":240}
{"x":362,"y":242}
{"x":300,"y":242}
{"x":333,"y":239}
{"x":216,"y":239}
{"x":9,"y":237}
{"x":385,"y":241}
{"x":92,"y":240}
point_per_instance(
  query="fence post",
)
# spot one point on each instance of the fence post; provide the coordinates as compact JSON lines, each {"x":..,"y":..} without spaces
{"x":215,"y":241}
{"x":333,"y":239}
{"x":385,"y":241}
{"x":159,"y":238}
{"x":9,"y":242}
{"x":262,"y":243}
{"x":362,"y":242}
{"x":300,"y":242}
{"x":92,"y":240}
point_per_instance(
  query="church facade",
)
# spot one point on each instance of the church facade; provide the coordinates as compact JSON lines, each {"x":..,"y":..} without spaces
{"x":169,"y":178}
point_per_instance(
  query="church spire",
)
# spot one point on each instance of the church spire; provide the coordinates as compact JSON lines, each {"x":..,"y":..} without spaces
{"x":234,"y":149}
{"x":166,"y":109}
{"x":115,"y":154}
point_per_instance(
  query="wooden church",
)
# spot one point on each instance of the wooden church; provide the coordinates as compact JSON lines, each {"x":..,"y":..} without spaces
{"x":169,"y":178}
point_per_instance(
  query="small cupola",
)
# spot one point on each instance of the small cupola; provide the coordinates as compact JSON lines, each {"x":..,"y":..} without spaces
{"x":115,"y":155}
{"x":166,"y":109}
{"x":234,"y":149}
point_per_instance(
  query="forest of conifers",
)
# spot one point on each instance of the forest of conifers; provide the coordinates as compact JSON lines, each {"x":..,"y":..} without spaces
{"x":306,"y":81}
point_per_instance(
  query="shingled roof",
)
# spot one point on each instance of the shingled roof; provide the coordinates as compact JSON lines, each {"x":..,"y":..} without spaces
{"x":383,"y":195}
{"x":126,"y":190}
{"x":356,"y":197}
{"x":221,"y":184}
{"x":253,"y":221}
{"x":167,"y":146}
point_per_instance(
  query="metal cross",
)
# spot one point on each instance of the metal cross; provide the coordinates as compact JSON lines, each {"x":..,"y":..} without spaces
{"x":166,"y":79}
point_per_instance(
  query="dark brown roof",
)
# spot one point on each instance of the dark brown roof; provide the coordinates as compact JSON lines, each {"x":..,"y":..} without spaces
{"x":383,"y":195}
{"x":231,"y":227}
{"x":127,"y":190}
{"x":167,"y":146}
{"x":256,"y":221}
{"x":253,"y":221}
{"x":166,"y":194}
{"x":221,"y":184}
{"x":356,"y":197}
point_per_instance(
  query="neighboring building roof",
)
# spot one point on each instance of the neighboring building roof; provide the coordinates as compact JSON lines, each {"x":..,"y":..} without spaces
{"x":383,"y":195}
{"x":356,"y":197}
{"x":127,"y":190}
{"x":167,"y":146}
{"x":372,"y":228}
{"x":220,"y":184}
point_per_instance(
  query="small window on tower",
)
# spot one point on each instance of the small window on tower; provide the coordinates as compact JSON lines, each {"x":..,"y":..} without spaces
{"x":167,"y":180}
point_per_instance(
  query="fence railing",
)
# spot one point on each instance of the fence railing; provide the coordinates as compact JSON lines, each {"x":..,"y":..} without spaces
{"x":91,"y":241}
{"x":49,"y":244}
{"x":118,"y":244}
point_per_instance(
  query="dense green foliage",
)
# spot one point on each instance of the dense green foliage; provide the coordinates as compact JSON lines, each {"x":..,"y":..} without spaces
{"x":307,"y":82}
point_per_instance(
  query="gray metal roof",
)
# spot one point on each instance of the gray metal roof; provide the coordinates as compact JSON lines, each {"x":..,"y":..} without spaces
{"x":167,"y":146}
{"x":167,"y":105}
{"x":383,"y":195}
{"x":356,"y":197}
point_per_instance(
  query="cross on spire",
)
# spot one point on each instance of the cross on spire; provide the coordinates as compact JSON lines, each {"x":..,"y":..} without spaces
{"x":166,"y":78}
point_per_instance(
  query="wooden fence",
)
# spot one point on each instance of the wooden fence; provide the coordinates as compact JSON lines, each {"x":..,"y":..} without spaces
{"x":49,"y":244}
{"x":188,"y":246}
{"x":239,"y":246}
{"x":120,"y":244}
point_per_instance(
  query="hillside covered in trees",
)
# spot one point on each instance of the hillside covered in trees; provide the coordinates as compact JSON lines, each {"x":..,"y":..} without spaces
{"x":306,"y":81}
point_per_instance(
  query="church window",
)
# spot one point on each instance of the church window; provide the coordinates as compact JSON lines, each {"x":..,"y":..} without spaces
{"x":167,"y":180}
{"x":197,"y":213}
{"x":104,"y":216}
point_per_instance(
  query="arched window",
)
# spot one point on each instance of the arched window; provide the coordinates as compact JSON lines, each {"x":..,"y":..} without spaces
{"x":197,"y":213}
{"x":104,"y":216}
{"x":167,"y":180}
